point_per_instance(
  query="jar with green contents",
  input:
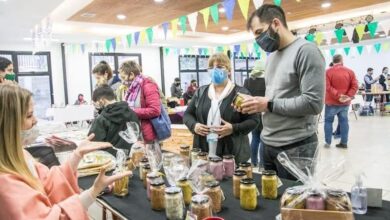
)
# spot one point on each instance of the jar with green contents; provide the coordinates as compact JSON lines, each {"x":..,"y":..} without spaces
{"x":185,"y":186}
{"x":247,"y":167}
{"x":237,"y":177}
{"x":269,"y":184}
{"x":248,"y":194}
{"x":157,"y":195}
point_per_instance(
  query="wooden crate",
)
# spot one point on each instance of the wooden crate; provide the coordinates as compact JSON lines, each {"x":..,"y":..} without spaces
{"x":306,"y":214}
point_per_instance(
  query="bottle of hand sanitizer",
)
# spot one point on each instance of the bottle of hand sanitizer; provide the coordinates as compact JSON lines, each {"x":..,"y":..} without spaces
{"x":359,"y":196}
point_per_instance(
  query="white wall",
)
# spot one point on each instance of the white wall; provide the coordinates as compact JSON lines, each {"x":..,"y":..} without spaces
{"x":171,"y":71}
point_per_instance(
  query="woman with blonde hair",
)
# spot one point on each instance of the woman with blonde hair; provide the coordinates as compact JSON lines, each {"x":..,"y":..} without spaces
{"x":29,"y":190}
{"x":217,"y":128}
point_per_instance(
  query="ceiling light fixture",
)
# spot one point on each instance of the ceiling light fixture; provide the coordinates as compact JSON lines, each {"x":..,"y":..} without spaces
{"x":221,"y":10}
{"x":225,"y":28}
{"x":158,"y":1}
{"x":121,"y":16}
{"x":326,"y":5}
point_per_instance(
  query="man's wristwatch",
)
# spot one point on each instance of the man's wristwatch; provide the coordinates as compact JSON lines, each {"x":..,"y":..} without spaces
{"x":270,"y":106}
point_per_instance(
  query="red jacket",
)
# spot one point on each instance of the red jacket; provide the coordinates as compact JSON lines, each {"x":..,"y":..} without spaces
{"x":150,"y":108}
{"x":340,"y":80}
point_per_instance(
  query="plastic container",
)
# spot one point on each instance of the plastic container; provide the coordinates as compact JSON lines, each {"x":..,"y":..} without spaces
{"x":216,"y":168}
{"x":269,"y":184}
{"x":157,"y":195}
{"x":248,"y":194}
{"x":248,"y":169}
{"x":213,"y":190}
{"x":237,"y":177}
{"x":201,"y":206}
{"x":174,"y":204}
{"x":229,"y":165}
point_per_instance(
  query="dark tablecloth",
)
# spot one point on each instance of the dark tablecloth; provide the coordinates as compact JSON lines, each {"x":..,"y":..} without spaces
{"x":135,"y":206}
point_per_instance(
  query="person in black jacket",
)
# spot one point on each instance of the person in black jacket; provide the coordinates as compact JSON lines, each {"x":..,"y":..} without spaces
{"x":256,"y":86}
{"x":217,"y":128}
{"x":383,"y":82}
{"x":113,"y":118}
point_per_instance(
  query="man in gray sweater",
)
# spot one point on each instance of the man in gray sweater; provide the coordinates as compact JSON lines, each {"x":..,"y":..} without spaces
{"x":295,"y":87}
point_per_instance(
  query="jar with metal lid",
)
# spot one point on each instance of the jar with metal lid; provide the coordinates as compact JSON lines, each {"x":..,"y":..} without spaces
{"x":121,"y":187}
{"x":157,"y":195}
{"x":167,"y":159}
{"x":201,"y":206}
{"x":248,"y":194}
{"x":137,"y":153}
{"x":205,"y":178}
{"x":203,"y":156}
{"x":194,"y":154}
{"x":337,"y":200}
{"x":237,"y":177}
{"x":248,"y":169}
{"x":145,"y":170}
{"x":315,"y":201}
{"x":186,"y":189}
{"x":229,"y":165}
{"x":269,"y":184}
{"x":214,"y":191}
{"x":185,"y":150}
{"x":174,"y":204}
{"x":238,"y":100}
{"x":142,"y":163}
{"x":151,"y":178}
{"x":216,"y":168}
{"x":293,"y":198}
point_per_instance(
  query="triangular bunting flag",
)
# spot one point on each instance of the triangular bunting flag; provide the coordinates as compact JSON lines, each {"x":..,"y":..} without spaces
{"x":108,"y":45}
{"x":143,"y":36}
{"x":244,"y":6}
{"x":113,"y":43}
{"x":237,"y":49}
{"x":96,"y":46}
{"x":369,"y":48}
{"x":129,"y":38}
{"x":360,"y":30}
{"x":332,"y":52}
{"x":349,"y":31}
{"x":174,"y":26}
{"x":166,"y":50}
{"x":346,"y":50}
{"x":187,"y":51}
{"x":386,"y":46}
{"x":214,"y":13}
{"x":229,"y":8}
{"x":372,"y":28}
{"x":339,"y":34}
{"x":206,"y":51}
{"x":256,"y":47}
{"x":225,"y":50}
{"x":258,"y":3}
{"x":82,"y":47}
{"x":165,"y":28}
{"x":250,"y":48}
{"x":258,"y":54}
{"x":310,"y":37}
{"x":193,"y":20}
{"x":206,"y":14}
{"x":319,"y":36}
{"x":219,"y":49}
{"x":244,"y":49}
{"x":124,"y":41}
{"x":183,"y":23}
{"x":200,"y":51}
{"x":377,"y":47}
{"x":118,"y":41}
{"x":149,"y":33}
{"x":136,"y":37}
{"x":278,"y":2}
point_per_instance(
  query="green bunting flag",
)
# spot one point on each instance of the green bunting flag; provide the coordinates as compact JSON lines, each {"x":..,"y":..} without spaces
{"x":129,"y":38}
{"x":378,"y":47}
{"x":372,"y":28}
{"x":360,"y":49}
{"x":256,"y":47}
{"x":346,"y":50}
{"x":214,"y":13}
{"x":166,"y":50}
{"x":339,"y":34}
{"x":149,"y":33}
{"x":108,"y":45}
{"x":187,"y":51}
{"x":183,"y":23}
{"x":332,"y":52}
{"x":278,"y":2}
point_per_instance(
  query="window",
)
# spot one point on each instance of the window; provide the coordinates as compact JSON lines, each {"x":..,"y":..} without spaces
{"x":193,"y":68}
{"x":242,"y":68}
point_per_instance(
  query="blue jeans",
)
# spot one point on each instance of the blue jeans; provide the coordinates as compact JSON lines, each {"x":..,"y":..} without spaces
{"x":256,"y":147}
{"x":342,"y":114}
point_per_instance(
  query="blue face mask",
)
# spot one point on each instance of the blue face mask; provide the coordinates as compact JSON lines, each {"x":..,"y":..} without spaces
{"x":218,"y":75}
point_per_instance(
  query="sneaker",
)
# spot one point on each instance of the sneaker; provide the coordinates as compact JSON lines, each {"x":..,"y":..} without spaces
{"x":326,"y":145}
{"x":342,"y":145}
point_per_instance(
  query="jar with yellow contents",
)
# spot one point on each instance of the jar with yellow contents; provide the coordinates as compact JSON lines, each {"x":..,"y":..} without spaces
{"x":185,"y":186}
{"x":237,"y":177}
{"x":269,"y":184}
{"x":248,"y":194}
{"x":157,"y":195}
{"x":247,"y":167}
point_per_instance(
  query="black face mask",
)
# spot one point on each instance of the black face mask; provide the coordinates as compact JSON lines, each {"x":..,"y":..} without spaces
{"x":177,"y":83}
{"x":269,"y":40}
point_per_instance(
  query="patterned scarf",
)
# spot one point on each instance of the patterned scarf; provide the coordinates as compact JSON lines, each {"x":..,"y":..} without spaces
{"x":133,"y":91}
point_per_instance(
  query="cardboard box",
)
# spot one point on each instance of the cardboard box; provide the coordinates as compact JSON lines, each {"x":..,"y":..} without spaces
{"x":307,"y":214}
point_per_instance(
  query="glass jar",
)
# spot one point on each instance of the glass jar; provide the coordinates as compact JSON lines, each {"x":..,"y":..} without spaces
{"x":315,"y":201}
{"x":145,"y":170}
{"x":185,"y":151}
{"x":238,"y":100}
{"x":201,"y":206}
{"x":216,"y":168}
{"x":194,"y":154}
{"x":229,"y":165}
{"x":337,"y":200}
{"x":121,"y":187}
{"x":205,"y":178}
{"x":293,"y":198}
{"x":151,"y":178}
{"x":214,"y":191}
{"x":248,"y":194}
{"x":174,"y":204}
{"x":269,"y":184}
{"x":167,"y":159}
{"x":186,"y":189}
{"x":157,"y":195}
{"x":248,"y":169}
{"x":203,"y":156}
{"x":237,"y":177}
{"x":137,"y":154}
{"x":142,"y":163}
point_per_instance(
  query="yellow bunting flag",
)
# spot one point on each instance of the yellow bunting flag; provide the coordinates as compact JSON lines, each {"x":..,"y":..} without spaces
{"x":385,"y":46}
{"x":206,"y":14}
{"x":360,"y":30}
{"x":143,"y":36}
{"x":225,"y":49}
{"x":244,"y":6}
{"x":244,"y":49}
{"x":118,"y":41}
{"x":174,"y":26}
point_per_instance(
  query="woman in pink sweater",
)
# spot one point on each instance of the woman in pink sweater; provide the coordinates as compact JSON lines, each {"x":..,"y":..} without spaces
{"x":30,"y":190}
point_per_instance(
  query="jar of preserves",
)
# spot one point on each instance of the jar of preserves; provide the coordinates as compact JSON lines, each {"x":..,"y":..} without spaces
{"x":186,"y":189}
{"x":121,"y":187}
{"x":337,"y":200}
{"x":229,"y":165}
{"x":248,"y":169}
{"x":185,"y":151}
{"x":237,"y":177}
{"x":216,"y":168}
{"x":269,"y":184}
{"x":201,"y":206}
{"x":315,"y":201}
{"x":151,"y":178}
{"x":205,"y":178}
{"x":203,"y":156}
{"x":194,"y":154}
{"x":174,"y":204}
{"x":142,"y":163}
{"x":248,"y":194}
{"x":157,"y":195}
{"x":167,"y":159}
{"x":145,"y":170}
{"x":137,"y":153}
{"x":293,"y":198}
{"x":238,"y":100}
{"x":214,"y":191}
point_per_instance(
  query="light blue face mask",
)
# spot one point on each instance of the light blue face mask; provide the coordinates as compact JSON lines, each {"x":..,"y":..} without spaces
{"x":218,"y":75}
